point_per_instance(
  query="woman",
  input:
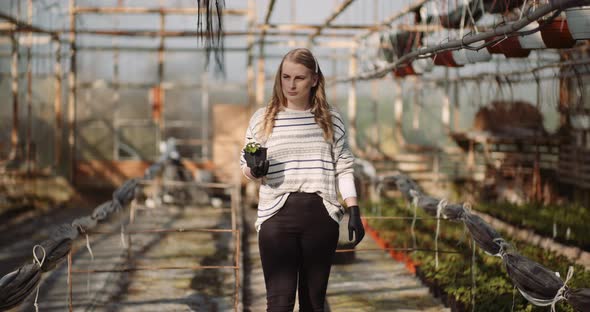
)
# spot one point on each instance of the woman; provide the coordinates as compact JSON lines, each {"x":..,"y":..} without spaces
{"x":298,"y":210}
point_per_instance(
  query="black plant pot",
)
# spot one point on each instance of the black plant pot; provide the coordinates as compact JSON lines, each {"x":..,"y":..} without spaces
{"x":259,"y":155}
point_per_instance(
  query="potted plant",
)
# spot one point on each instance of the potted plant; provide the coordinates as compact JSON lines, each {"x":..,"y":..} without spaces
{"x":531,"y":41}
{"x":466,"y":56}
{"x":445,"y":58}
{"x":556,"y":34}
{"x":509,"y":46}
{"x":254,"y":152}
{"x":578,"y":20}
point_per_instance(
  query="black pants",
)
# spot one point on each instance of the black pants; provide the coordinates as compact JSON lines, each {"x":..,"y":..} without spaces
{"x":297,"y":246}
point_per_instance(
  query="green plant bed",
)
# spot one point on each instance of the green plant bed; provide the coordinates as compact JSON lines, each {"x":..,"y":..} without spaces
{"x":452,"y":280}
{"x":542,"y":218}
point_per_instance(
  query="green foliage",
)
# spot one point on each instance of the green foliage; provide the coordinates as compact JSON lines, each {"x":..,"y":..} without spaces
{"x":493,"y":291}
{"x":252,"y":147}
{"x":542,"y":219}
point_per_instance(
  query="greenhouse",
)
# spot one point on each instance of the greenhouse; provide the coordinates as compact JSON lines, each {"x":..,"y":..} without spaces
{"x":283,"y":155}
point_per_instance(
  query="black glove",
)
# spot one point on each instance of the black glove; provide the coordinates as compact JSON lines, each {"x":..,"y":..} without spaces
{"x":355,"y":225}
{"x":258,"y":167}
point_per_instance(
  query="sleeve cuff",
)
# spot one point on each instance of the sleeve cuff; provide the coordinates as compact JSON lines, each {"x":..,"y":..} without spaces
{"x":346,"y":186}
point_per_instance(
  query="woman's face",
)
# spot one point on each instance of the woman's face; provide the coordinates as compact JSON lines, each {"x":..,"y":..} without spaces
{"x":297,"y":81}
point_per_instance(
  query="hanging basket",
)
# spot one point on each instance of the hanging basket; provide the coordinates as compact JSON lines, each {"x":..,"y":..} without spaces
{"x":445,"y":58}
{"x":532,"y":41}
{"x":403,"y":71}
{"x":556,"y":34}
{"x":466,"y":56}
{"x":460,"y":57}
{"x":509,"y":46}
{"x":423,"y":65}
{"x":578,"y":20}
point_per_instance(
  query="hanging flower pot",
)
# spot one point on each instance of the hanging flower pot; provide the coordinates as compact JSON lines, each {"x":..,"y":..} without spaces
{"x":556,"y":34}
{"x":445,"y":58}
{"x":466,"y":56}
{"x":460,"y":57}
{"x":423,"y":65}
{"x":405,"y":70}
{"x":532,"y":41}
{"x":578,"y":21}
{"x":508,"y":46}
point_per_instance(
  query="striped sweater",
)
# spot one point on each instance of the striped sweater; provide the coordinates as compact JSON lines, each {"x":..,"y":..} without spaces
{"x":302,"y":161}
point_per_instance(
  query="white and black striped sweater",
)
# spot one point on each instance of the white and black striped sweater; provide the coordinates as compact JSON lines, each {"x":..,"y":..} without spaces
{"x":302,"y":161}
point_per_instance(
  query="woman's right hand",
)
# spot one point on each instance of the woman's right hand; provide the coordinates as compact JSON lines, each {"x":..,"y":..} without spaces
{"x":258,"y":169}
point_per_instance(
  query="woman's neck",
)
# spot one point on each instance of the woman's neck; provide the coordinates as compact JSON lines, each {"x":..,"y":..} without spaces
{"x":298,"y":106}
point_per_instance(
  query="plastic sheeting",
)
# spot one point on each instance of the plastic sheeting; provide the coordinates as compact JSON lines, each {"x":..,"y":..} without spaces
{"x":454,"y":212}
{"x":17,"y":285}
{"x":536,"y":283}
{"x":125,"y":193}
{"x":101,"y":212}
{"x":405,"y":184}
{"x":84,"y":224}
{"x":579,"y":298}
{"x":427,"y":203}
{"x":57,"y":247}
{"x":483,"y":234}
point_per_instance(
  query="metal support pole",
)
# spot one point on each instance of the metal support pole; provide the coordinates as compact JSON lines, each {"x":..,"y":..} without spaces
{"x":375,"y":105}
{"x":252,"y":95}
{"x":161,"y":120}
{"x":70,"y":287}
{"x":352,"y":101}
{"x":398,"y":110}
{"x":14,"y":89}
{"x":72,"y":93}
{"x":417,"y":105}
{"x":116,"y":86}
{"x":57,"y":106}
{"x":446,"y":109}
{"x":456,"y":112}
{"x":260,"y":79}
{"x":29,"y":98}
{"x":205,"y":116}
{"x":237,"y":270}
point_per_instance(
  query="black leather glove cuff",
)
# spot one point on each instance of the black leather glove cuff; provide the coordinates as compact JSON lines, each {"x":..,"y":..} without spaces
{"x":355,"y":211}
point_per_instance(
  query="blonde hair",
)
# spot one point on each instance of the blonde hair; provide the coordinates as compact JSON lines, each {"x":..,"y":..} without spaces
{"x":319,"y":105}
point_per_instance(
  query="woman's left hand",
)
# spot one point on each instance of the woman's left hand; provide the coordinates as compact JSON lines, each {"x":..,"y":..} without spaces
{"x":355,"y":225}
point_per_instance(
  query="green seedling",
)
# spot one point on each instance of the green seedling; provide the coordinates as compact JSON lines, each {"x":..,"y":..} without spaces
{"x":252,"y":148}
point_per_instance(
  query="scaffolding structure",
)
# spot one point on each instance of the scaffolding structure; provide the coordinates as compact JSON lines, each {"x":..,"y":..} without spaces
{"x":259,"y":34}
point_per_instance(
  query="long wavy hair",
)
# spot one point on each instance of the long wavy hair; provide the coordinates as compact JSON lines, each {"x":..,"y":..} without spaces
{"x":317,"y":95}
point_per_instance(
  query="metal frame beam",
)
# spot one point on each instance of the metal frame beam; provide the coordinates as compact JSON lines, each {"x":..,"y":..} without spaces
{"x":24,"y":26}
{"x":330,"y":19}
{"x":461,"y":43}
{"x":373,"y":28}
{"x":160,"y":11}
{"x":409,"y":8}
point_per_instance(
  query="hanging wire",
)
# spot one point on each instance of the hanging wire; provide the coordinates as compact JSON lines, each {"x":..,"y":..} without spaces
{"x":210,"y":31}
{"x":40,"y":264}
